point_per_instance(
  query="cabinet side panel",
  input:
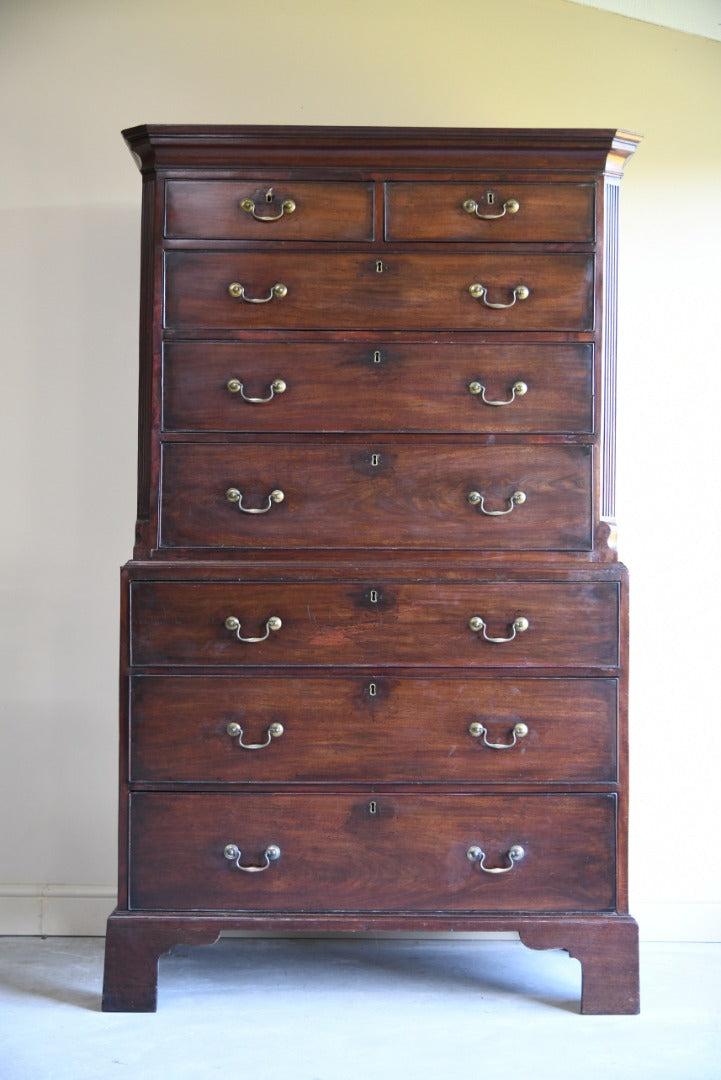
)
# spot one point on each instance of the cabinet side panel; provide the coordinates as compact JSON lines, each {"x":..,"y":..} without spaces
{"x":148,"y":351}
{"x":609,"y":348}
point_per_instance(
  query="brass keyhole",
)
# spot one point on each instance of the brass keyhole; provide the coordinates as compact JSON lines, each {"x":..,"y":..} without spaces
{"x":490,"y":198}
{"x":377,"y":356}
{"x":374,"y":596}
{"x":372,"y":807}
{"x":372,"y":689}
{"x":269,"y":195}
{"x":375,"y":459}
{"x":379,"y":266}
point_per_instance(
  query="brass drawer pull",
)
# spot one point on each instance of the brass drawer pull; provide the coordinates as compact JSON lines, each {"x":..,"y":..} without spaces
{"x":233,"y":853}
{"x":518,"y":626}
{"x":287,"y":206}
{"x":236,"y":732}
{"x":278,"y":290}
{"x":479,"y":292}
{"x":235,"y":386}
{"x":478,"y":390}
{"x":233,"y":624}
{"x":477,"y":730}
{"x":475,"y":498}
{"x":510,"y":206}
{"x":276,"y":496}
{"x":477,"y":855}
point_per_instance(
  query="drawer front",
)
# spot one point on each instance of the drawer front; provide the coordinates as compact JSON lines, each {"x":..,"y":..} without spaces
{"x":571,"y":625}
{"x":353,"y":386}
{"x":357,"y":495}
{"x":241,"y":210}
{"x":372,"y":853}
{"x":348,"y":292}
{"x":479,"y":212}
{"x":372,"y":729}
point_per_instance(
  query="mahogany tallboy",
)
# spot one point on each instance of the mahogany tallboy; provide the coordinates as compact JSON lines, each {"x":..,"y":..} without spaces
{"x":374,"y":631}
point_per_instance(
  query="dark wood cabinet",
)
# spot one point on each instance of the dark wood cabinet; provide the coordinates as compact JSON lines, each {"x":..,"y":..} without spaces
{"x":374,"y":631}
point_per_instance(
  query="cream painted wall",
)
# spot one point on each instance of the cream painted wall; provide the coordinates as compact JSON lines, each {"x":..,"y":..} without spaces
{"x":73,"y":74}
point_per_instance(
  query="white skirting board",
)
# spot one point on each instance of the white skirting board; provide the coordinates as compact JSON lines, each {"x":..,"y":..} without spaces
{"x":49,"y":910}
{"x":81,"y":911}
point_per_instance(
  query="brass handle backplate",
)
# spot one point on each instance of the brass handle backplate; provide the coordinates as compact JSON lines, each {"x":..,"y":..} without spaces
{"x":233,"y":853}
{"x":477,"y":389}
{"x":480,"y":292}
{"x":518,"y":626}
{"x":287,"y":206}
{"x":478,"y":731}
{"x":235,"y":386}
{"x":475,"y":498}
{"x":233,"y":624}
{"x":477,"y":855}
{"x":237,"y":291}
{"x":510,"y":206}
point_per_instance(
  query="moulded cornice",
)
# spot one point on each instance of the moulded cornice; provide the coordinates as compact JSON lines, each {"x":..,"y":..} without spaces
{"x":165,"y":146}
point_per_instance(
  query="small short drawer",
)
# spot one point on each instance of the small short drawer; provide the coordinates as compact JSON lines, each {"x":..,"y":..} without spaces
{"x":372,"y":729}
{"x":268,"y":210}
{"x":387,"y":386}
{"x":479,"y":211}
{"x":351,"y":495}
{"x":250,"y":290}
{"x":384,"y":852}
{"x":292,"y":624}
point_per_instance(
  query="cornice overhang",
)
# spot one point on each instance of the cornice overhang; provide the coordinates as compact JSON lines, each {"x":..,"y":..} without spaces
{"x":158,"y":147}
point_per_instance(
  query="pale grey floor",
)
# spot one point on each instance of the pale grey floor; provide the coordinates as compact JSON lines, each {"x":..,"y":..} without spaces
{"x":355,"y":1010}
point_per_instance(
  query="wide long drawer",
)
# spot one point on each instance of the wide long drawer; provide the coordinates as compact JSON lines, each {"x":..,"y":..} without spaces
{"x":354,"y":495}
{"x":281,"y":290}
{"x":280,"y":728}
{"x":570,"y":625}
{"x":372,"y":852}
{"x":384,"y":386}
